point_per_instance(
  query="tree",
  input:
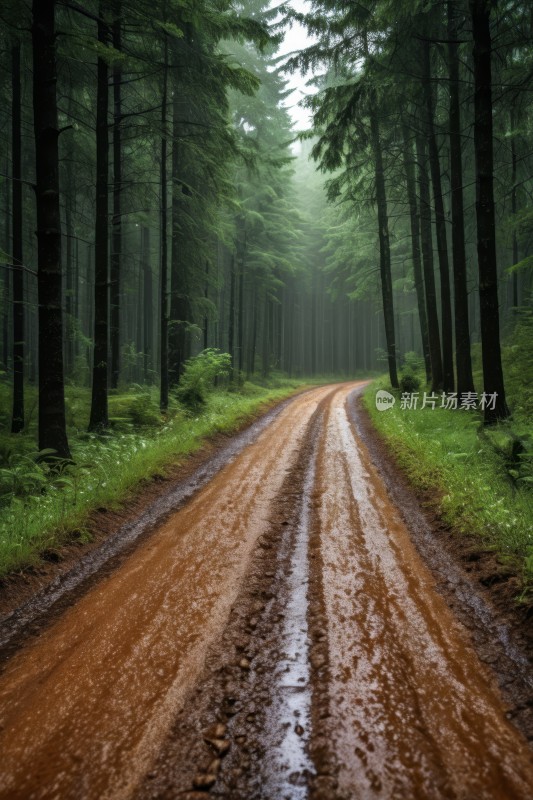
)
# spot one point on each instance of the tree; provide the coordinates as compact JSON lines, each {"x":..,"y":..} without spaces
{"x":463,"y":360}
{"x":99,"y":409}
{"x":52,"y":425}
{"x":17,"y":423}
{"x":480,"y":11}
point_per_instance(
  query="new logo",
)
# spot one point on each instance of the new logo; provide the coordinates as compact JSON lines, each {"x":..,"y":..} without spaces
{"x":384,"y":400}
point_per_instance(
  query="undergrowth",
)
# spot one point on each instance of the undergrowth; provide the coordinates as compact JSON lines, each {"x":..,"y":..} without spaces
{"x":467,"y":470}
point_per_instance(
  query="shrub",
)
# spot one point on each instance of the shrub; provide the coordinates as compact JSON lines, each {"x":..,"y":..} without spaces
{"x":199,"y":376}
{"x":409,"y":383}
{"x":413,"y":363}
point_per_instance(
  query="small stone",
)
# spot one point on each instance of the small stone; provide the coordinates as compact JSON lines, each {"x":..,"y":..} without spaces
{"x":221,"y":746}
{"x":299,"y":731}
{"x":253,"y":622}
{"x":240,"y":739}
{"x":214,"y":766}
{"x":216,"y":731}
{"x":317,"y":660}
{"x":204,"y":781}
{"x":244,"y":663}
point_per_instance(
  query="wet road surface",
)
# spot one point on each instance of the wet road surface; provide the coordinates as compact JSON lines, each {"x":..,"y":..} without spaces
{"x":410,"y":711}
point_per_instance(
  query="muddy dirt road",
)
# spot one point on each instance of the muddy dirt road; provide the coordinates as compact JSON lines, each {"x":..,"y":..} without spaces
{"x":279,"y":636}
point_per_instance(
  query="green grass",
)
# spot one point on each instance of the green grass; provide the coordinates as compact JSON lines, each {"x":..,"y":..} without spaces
{"x":40,"y":510}
{"x":449,"y":455}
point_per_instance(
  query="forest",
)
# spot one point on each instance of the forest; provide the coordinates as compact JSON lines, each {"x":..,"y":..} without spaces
{"x":167,"y":232}
{"x":266,"y":398}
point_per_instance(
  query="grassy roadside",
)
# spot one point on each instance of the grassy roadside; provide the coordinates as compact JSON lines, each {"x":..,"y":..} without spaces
{"x":40,"y":511}
{"x":448,"y":455}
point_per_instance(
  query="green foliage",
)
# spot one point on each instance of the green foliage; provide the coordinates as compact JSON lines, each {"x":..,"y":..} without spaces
{"x":409,"y":382}
{"x":410,"y":375}
{"x":413,"y":362}
{"x":517,"y":356}
{"x":199,"y":375}
{"x":20,"y":476}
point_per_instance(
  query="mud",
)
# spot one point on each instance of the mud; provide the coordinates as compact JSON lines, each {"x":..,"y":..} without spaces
{"x":480,"y":589}
{"x":279,"y":636}
{"x":105,"y":681}
{"x":32,"y":598}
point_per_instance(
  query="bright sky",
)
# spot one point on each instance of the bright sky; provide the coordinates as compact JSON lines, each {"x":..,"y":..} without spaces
{"x":296,"y":38}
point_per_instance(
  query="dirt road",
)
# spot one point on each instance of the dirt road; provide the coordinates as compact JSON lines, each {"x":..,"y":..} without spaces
{"x":278,"y":636}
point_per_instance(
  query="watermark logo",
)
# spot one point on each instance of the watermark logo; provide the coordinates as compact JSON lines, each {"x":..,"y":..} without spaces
{"x":384,"y":400}
{"x":466,"y":401}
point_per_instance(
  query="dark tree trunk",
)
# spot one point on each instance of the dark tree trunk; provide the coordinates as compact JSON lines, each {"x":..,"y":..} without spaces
{"x":514,"y":207}
{"x":147,"y":305}
{"x":7,"y":307}
{"x":206,"y":297}
{"x":465,"y":380}
{"x":231,"y":321}
{"x":179,"y":302}
{"x":163,"y":400}
{"x":440,"y":224}
{"x":52,"y":426}
{"x":486,"y":227}
{"x":17,"y":420}
{"x":384,"y":244}
{"x":240,"y":323}
{"x":71,"y":287}
{"x":253,"y":343}
{"x":99,"y":412}
{"x":410,"y":181}
{"x":265,"y":351}
{"x":116,"y":222}
{"x":427,"y":260}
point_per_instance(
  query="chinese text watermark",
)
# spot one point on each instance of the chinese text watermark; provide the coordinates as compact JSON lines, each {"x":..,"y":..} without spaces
{"x":410,"y":401}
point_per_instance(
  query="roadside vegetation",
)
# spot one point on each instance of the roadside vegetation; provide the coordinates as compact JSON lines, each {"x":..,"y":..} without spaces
{"x":44,"y":503}
{"x":480,"y":478}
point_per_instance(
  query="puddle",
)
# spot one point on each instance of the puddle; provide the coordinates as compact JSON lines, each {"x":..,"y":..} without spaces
{"x":290,"y":726}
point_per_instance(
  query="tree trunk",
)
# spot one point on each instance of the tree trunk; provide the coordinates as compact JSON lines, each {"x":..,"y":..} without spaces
{"x":440,"y":224}
{"x":116,"y":222}
{"x":265,"y":353}
{"x":147,"y":305}
{"x":206,"y":297}
{"x":486,"y":227}
{"x":427,"y":260}
{"x":240,"y":317}
{"x":253,"y":343}
{"x":465,"y":380}
{"x":384,"y":245}
{"x":514,"y":207}
{"x":163,"y":399}
{"x":179,"y":301}
{"x":70,"y":284}
{"x":231,"y":321}
{"x":17,"y":420}
{"x":52,"y":425}
{"x":99,"y":412}
{"x":415,"y":244}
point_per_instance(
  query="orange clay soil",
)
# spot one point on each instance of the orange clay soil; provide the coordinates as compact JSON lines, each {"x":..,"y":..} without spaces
{"x":277,"y":636}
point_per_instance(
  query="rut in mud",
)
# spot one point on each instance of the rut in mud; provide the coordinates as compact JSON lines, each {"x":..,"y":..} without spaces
{"x":278,"y":636}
